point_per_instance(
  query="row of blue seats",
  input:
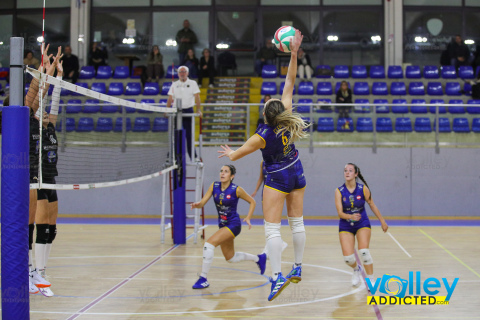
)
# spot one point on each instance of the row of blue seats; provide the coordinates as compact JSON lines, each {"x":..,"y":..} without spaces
{"x":378,"y":72}
{"x":141,"y":124}
{"x":380,"y":88}
{"x":120,"y":72}
{"x":92,"y":106}
{"x":401,"y":125}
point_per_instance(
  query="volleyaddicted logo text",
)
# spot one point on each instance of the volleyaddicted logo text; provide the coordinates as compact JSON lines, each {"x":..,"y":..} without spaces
{"x":396,"y":289}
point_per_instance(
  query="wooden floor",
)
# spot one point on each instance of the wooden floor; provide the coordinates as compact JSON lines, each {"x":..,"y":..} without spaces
{"x":123,"y":272}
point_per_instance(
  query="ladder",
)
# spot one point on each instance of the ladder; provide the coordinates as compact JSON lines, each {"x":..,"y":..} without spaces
{"x":198,"y":215}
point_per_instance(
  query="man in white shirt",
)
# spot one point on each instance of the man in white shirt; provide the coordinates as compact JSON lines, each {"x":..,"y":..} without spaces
{"x":188,"y":92}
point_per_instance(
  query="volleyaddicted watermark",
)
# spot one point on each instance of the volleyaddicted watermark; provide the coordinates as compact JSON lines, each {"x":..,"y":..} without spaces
{"x":396,"y":290}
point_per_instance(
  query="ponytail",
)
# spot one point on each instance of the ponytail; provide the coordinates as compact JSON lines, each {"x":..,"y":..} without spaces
{"x":357,"y":170}
{"x":276,"y":115}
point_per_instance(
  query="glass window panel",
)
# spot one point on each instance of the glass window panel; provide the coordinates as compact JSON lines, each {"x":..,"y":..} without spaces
{"x":472,"y":3}
{"x":427,"y":35}
{"x":6,"y":25}
{"x":432,"y":2}
{"x":182,"y":2}
{"x":120,"y":3}
{"x":348,"y":38}
{"x":236,"y":3}
{"x":351,"y":2}
{"x":290,"y":2}
{"x":472,"y":33}
{"x":21,"y":4}
{"x":7,"y":4}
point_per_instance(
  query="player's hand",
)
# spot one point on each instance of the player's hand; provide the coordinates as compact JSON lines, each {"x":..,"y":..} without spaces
{"x":200,"y":114}
{"x":384,"y":226}
{"x":254,"y":194}
{"x":194,"y":205}
{"x":60,"y":68}
{"x":356,"y":217}
{"x":247,"y":220}
{"x":296,"y":42}
{"x":225,"y":152}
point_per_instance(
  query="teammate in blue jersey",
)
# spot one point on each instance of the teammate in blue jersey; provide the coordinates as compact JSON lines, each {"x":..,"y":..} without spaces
{"x":350,"y":201}
{"x":226,"y":194}
{"x":285,"y":179}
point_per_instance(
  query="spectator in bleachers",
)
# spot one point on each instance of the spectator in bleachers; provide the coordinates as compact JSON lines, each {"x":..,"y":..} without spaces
{"x":30,"y":60}
{"x":191,"y":62}
{"x":207,"y":68}
{"x":459,"y":53}
{"x":98,"y":56}
{"x":185,"y":38}
{"x":344,"y":95}
{"x":476,"y":58}
{"x":260,"y":116}
{"x":266,"y":55}
{"x":155,"y":64}
{"x":304,"y":64}
{"x":70,"y":65}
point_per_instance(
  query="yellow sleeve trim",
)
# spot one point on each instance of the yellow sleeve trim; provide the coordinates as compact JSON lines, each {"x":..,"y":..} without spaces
{"x":262,"y":139}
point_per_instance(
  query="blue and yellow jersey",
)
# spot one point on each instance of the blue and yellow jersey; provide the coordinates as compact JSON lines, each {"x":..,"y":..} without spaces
{"x":354,"y":202}
{"x":226,"y":202}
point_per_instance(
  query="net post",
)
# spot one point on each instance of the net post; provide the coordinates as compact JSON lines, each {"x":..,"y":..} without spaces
{"x":15,"y":193}
{"x":179,"y":178}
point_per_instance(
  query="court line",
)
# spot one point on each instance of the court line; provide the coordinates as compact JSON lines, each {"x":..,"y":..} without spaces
{"x":121,"y":284}
{"x":375,"y":307}
{"x":451,"y":254}
{"x":398,"y":243}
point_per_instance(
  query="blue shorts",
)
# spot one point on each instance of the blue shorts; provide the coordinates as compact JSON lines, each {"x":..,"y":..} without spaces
{"x":345,"y":226}
{"x":234,"y":226}
{"x":288,"y":179}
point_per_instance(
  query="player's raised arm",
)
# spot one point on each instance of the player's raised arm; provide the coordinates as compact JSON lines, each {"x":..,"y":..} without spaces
{"x":292,"y":71}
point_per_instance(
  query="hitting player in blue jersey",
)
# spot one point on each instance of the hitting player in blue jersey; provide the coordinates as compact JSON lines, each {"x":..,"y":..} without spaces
{"x":226,"y":194}
{"x":350,"y":201}
{"x":285,"y":180}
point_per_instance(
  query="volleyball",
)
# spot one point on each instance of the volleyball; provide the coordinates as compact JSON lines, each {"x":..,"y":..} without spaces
{"x":282,"y":38}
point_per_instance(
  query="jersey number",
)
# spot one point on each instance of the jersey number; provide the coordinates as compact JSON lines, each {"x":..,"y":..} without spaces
{"x":284,"y":139}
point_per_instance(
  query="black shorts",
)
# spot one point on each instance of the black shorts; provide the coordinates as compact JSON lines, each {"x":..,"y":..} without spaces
{"x":47,"y":194}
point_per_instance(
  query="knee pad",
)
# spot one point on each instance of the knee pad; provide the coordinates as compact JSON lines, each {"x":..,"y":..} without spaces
{"x":52,"y":232}
{"x":272,"y":230}
{"x":365,"y":256}
{"x":208,"y":252}
{"x":350,"y":260}
{"x":296,"y":224}
{"x":42,"y":233}
{"x":31,"y":228}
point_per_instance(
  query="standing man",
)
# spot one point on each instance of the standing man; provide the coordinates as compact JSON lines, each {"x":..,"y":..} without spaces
{"x":70,"y":65}
{"x":186,"y":38}
{"x":188,"y":92}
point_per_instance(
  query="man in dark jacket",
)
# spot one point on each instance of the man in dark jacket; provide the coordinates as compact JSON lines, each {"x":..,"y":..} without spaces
{"x":185,"y":38}
{"x":70,"y":65}
{"x":459,"y":52}
{"x":266,"y":55}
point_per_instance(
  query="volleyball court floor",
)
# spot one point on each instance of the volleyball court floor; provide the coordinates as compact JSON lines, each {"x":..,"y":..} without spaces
{"x":118,"y":269}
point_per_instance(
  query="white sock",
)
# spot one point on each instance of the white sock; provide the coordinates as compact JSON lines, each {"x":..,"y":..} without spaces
{"x":208,"y":252}
{"x":299,"y":238}
{"x":242,"y":256}
{"x":40,"y":256}
{"x":48,"y":248}
{"x":30,"y":260}
{"x":284,"y":246}
{"x":274,"y":246}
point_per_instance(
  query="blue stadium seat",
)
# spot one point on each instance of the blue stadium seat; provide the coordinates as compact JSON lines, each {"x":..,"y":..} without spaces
{"x":269,"y":71}
{"x":359,"y":72}
{"x":473,"y":110}
{"x":305,"y":88}
{"x":361,"y":88}
{"x":341,"y":72}
{"x":119,"y":124}
{"x":364,"y":125}
{"x":440,"y":109}
{"x":461,"y":125}
{"x":403,"y":125}
{"x":449,"y":72}
{"x":70,"y":125}
{"x":466,"y":72}
{"x":345,"y":125}
{"x":380,"y":89}
{"x":282,"y":85}
{"x":456,"y":109}
{"x":381,"y":109}
{"x":395,"y":72}
{"x":99,"y":87}
{"x":324,"y":89}
{"x":115,"y":88}
{"x":337,"y":86}
{"x":417,"y":107}
{"x":304,"y":105}
{"x":160,"y":125}
{"x":151,"y":89}
{"x":104,"y":72}
{"x":172,"y":71}
{"x":63,"y":91}
{"x":476,"y":125}
{"x":323,"y":71}
{"x":136,"y":73}
{"x":165,"y":88}
{"x":398,"y":89}
{"x":128,"y":109}
{"x":326,"y":108}
{"x":467,"y":89}
{"x":80,"y":84}
{"x":401,"y":106}
{"x":85,"y":125}
{"x":163,"y":101}
{"x":121,"y":72}
{"x":109,"y":108}
{"x":453,"y":89}
{"x":87,"y":72}
{"x":443,"y":125}
{"x":91,"y":106}
{"x":27,"y":86}
{"x":416,"y":89}
{"x":362,"y":109}
{"x":384,"y":125}
{"x":377,"y":72}
{"x":74,"y":106}
{"x":146,"y":101}
{"x":141,"y":124}
{"x":431,"y":72}
{"x":434,"y":89}
{"x":104,"y":125}
{"x":477,"y":71}
{"x":422,"y":125}
{"x":268,"y":88}
{"x":50,"y":90}
{"x":133,"y":89}
{"x":413,"y":72}
{"x":4,"y":73}
{"x":307,"y":120}
{"x":325,"y":125}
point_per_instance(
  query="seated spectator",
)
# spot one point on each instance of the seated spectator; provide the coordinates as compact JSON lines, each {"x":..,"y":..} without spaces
{"x":30,"y":60}
{"x":344,"y":95}
{"x":191,"y":62}
{"x":266,"y":55}
{"x":304,"y":65}
{"x":459,"y":53}
{"x":226,"y":60}
{"x":260,"y":117}
{"x":98,"y":56}
{"x":207,"y":68}
{"x":70,"y":65}
{"x":155,"y":64}
{"x":476,"y":58}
